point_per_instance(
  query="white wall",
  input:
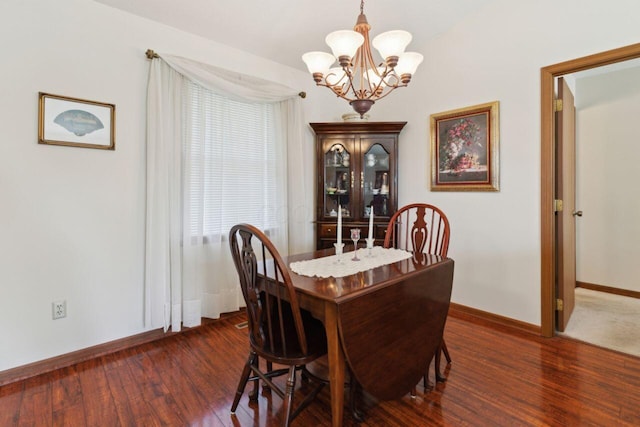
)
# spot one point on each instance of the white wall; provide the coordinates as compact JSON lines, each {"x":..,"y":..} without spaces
{"x":72,"y":219}
{"x":607,"y":164}
{"x":497,"y":55}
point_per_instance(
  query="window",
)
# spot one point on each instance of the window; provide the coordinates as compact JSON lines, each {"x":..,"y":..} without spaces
{"x":232,"y":176}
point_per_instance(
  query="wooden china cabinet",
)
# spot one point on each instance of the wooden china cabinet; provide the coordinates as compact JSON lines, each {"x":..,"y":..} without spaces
{"x":356,"y":169}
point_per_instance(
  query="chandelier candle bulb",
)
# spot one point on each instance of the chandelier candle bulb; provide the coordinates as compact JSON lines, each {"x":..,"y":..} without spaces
{"x":344,"y":43}
{"x":318,"y":62}
{"x":408,"y":63}
{"x":391,"y":44}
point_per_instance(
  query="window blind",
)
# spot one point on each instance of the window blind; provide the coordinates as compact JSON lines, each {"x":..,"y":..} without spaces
{"x":232,"y":173}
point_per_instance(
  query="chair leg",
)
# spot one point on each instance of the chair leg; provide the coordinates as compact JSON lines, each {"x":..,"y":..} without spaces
{"x":288,"y":397}
{"x":439,"y":377}
{"x":265,"y":386}
{"x":446,"y":351}
{"x":354,"y":396}
{"x":308,"y":399}
{"x":304,"y":375}
{"x":253,"y":397}
{"x":246,"y":371}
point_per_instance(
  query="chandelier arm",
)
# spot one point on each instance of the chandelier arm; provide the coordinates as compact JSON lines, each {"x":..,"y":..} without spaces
{"x":383,"y":83}
{"x":337,"y":91}
{"x":372,"y":92}
{"x":350,"y":87}
{"x":387,"y":92}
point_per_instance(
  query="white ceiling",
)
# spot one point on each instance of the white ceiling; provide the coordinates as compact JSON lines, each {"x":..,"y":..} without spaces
{"x":283,"y":30}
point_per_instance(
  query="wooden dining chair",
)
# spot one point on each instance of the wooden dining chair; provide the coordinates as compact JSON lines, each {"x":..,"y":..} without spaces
{"x":423,"y":228}
{"x":279,"y":331}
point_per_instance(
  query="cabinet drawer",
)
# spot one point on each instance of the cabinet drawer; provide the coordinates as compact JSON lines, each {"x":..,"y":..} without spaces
{"x":328,"y":230}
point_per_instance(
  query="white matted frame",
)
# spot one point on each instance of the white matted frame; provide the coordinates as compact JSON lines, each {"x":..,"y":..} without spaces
{"x":75,"y":122}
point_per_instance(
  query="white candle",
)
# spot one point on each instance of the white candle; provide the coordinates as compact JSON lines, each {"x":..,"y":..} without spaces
{"x":339,"y":225}
{"x":371,"y":224}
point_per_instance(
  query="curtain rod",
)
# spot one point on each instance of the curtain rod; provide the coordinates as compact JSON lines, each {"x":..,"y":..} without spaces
{"x":151,"y":54}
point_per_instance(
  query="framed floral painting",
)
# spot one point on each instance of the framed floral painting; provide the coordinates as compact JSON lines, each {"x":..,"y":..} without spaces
{"x":464,"y":149}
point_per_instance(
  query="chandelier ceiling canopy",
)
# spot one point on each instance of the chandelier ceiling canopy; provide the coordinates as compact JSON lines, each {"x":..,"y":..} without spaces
{"x":358,"y":79}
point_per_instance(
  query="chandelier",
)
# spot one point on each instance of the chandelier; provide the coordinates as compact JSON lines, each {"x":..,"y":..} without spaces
{"x":358,"y":79}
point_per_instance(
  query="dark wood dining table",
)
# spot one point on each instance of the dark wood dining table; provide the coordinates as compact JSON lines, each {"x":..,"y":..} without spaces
{"x":386,"y":323}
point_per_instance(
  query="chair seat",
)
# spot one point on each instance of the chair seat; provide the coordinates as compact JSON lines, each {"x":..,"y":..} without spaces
{"x":316,"y":344}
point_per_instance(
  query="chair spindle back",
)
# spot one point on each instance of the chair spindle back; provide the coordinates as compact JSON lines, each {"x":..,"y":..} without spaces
{"x":274,"y":318}
{"x":419,"y":227}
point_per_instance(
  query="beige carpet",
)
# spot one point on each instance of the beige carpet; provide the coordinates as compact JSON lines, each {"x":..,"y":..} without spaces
{"x":606,"y":320}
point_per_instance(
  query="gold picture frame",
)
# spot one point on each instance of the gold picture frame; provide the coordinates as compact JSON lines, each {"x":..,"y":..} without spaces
{"x":74,"y":122}
{"x":465,"y":149}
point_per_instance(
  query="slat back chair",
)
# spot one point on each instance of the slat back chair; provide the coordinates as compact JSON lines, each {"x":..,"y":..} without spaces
{"x":419,"y":227}
{"x":422,"y":228}
{"x":279,"y":331}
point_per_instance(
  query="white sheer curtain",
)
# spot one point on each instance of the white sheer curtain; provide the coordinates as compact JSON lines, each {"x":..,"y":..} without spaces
{"x":189,"y":275}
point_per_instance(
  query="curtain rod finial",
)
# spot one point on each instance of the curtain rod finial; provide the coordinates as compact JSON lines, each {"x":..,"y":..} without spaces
{"x":151,"y":54}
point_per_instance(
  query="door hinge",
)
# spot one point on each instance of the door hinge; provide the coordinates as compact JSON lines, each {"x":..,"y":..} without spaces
{"x":557,"y":105}
{"x":559,"y":304}
{"x":557,"y":205}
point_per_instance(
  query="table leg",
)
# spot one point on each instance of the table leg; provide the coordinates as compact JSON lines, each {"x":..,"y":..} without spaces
{"x":336,"y":364}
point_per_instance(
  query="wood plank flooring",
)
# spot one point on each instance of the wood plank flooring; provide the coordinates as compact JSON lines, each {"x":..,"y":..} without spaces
{"x":500,"y":376}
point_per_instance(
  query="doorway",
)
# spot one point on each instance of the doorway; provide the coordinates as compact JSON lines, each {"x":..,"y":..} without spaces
{"x":548,"y":180}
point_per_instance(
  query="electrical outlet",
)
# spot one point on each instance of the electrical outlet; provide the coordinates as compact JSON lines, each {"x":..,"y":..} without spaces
{"x":59,"y":309}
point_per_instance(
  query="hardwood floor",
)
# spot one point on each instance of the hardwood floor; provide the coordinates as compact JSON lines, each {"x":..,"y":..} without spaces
{"x":500,"y":376}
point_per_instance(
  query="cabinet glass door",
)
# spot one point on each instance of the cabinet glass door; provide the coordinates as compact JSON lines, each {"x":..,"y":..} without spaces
{"x":376,"y":181}
{"x":338,"y":178}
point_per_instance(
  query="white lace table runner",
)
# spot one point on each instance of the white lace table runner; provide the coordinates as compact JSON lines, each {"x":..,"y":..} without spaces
{"x":330,"y":267}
